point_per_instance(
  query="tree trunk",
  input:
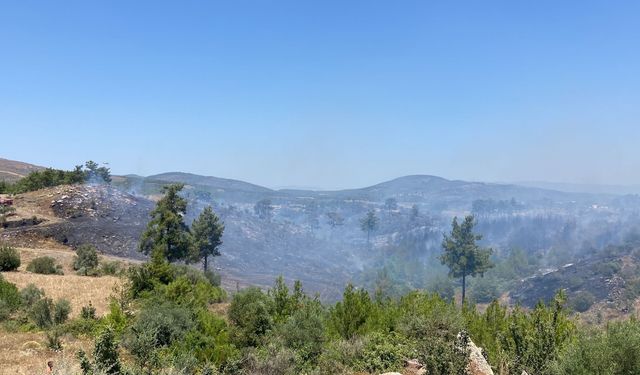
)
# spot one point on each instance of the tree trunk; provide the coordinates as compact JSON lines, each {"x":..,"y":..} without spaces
{"x":464,"y":286}
{"x":206,"y":263}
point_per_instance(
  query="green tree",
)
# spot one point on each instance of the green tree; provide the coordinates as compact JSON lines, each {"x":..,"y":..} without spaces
{"x":369,"y":223}
{"x":462,"y":254}
{"x":348,"y":317}
{"x":167,"y":236}
{"x":95,"y":173}
{"x":207,"y":232}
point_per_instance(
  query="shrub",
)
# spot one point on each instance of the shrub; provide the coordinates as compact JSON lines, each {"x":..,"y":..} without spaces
{"x":105,"y":354}
{"x":86,"y":260}
{"x":349,"y":316}
{"x":9,"y":258}
{"x":61,"y":311}
{"x":53,"y":340}
{"x":40,"y":313}
{"x":31,"y":294}
{"x":88,"y":312}
{"x":157,"y":327}
{"x":304,"y":331}
{"x":45,"y":265}
{"x":250,"y":313}
{"x":9,"y":298}
{"x":112,"y":268}
{"x":582,"y":301}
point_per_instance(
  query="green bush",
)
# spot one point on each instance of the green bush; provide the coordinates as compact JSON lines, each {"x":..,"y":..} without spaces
{"x":86,"y":260}
{"x":105,"y":353}
{"x":31,"y":294}
{"x":61,"y":311}
{"x":9,"y":258}
{"x":612,"y":351}
{"x":348,"y":317}
{"x":88,"y":312}
{"x":582,"y":301}
{"x":155,"y":327}
{"x":9,"y":298}
{"x":250,"y":313}
{"x":54,"y":340}
{"x":45,"y":265}
{"x":111,"y":268}
{"x":41,"y":313}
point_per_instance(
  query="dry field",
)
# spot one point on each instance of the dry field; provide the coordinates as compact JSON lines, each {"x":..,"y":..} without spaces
{"x":79,"y":290}
{"x":26,"y":354}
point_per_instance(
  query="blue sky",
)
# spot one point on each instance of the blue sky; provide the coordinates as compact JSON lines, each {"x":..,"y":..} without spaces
{"x":326,"y":93}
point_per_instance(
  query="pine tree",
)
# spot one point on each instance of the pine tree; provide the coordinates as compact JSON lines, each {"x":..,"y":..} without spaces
{"x":369,"y":223}
{"x":462,"y":254}
{"x":167,"y":236}
{"x":207,"y":232}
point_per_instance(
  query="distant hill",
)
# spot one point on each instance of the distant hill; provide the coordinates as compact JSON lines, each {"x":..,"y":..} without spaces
{"x":209,"y":181}
{"x":11,"y":170}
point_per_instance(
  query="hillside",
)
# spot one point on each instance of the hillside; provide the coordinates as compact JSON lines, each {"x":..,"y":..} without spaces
{"x":11,"y":170}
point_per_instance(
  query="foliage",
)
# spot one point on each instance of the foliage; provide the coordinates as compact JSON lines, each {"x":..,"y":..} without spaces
{"x":10,"y":299}
{"x":41,"y":312}
{"x":61,"y":310}
{"x":369,"y":223}
{"x":348,"y":317}
{"x":207,"y":232}
{"x":612,"y":351}
{"x":86,"y":260}
{"x":9,"y":258}
{"x":88,"y":312}
{"x":167,"y":236}
{"x":462,"y":254}
{"x":250,"y":313}
{"x":582,"y":301}
{"x":44,"y":265}
{"x":53,"y":339}
{"x":105,"y":354}
{"x":31,"y":294}
{"x":49,"y":177}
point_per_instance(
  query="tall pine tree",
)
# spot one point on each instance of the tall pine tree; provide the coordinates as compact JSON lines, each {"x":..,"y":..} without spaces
{"x":167,"y":236}
{"x":462,"y":254}
{"x":207,"y":232}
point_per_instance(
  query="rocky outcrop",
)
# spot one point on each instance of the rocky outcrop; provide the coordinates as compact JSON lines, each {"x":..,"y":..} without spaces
{"x":477,"y":364}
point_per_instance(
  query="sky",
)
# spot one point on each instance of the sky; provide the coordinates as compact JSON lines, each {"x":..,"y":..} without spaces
{"x":326,"y":94}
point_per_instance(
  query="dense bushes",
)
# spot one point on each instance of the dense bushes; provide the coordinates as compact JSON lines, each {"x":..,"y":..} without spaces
{"x":45,"y":265}
{"x":612,"y":351}
{"x":9,"y":258}
{"x":49,"y":177}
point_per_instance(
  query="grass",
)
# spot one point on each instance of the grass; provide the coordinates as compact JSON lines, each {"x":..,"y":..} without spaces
{"x":78,"y":290}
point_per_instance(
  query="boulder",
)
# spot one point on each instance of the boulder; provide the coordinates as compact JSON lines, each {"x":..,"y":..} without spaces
{"x":477,"y":364}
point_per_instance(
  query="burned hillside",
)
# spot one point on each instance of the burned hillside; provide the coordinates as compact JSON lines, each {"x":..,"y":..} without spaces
{"x":609,"y":278}
{"x":73,"y":215}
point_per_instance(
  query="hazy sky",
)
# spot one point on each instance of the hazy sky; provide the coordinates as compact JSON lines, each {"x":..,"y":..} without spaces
{"x":326,"y":93}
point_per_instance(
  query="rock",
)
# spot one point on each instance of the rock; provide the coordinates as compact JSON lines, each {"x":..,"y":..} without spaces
{"x":414,"y":367}
{"x":477,"y":364}
{"x":524,"y":373}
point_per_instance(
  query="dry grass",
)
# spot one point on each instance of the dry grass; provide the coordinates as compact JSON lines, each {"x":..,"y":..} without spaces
{"x":78,"y":290}
{"x":26,"y":353}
